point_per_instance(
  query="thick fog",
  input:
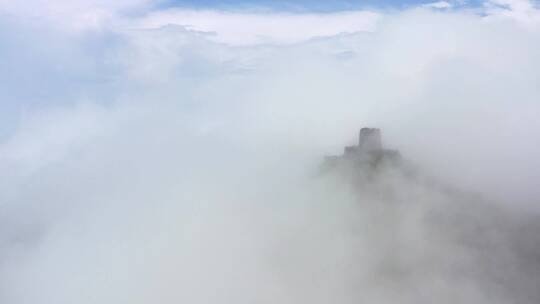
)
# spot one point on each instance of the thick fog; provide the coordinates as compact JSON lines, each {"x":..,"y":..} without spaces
{"x":173,"y":156}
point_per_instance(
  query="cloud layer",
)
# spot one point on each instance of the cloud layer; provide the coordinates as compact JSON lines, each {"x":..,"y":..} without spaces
{"x":170,"y":156}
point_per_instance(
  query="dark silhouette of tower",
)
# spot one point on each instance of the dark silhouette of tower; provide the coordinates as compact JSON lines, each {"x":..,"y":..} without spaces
{"x":368,"y":153}
{"x":370,"y":139}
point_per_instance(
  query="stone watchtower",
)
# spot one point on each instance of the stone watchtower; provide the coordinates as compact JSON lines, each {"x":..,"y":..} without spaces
{"x":370,"y":139}
{"x":368,"y":152}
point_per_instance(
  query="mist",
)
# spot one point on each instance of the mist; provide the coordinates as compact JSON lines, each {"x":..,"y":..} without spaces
{"x":156,"y":158}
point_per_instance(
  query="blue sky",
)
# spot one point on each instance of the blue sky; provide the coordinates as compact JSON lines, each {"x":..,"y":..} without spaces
{"x":301,"y":5}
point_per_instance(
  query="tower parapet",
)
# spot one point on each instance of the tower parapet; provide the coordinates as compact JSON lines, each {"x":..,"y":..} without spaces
{"x":369,"y":139}
{"x":369,"y":151}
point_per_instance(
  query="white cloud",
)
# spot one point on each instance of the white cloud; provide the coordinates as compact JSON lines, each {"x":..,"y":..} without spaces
{"x":257,"y":28}
{"x":178,"y":168}
{"x":72,"y":15}
{"x":439,"y":5}
{"x":523,"y":11}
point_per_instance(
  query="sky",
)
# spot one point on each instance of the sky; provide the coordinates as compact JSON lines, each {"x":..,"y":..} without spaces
{"x":166,"y":152}
{"x":313,"y":6}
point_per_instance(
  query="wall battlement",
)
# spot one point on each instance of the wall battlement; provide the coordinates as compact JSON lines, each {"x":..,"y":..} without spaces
{"x":369,"y":151}
{"x":370,"y":139}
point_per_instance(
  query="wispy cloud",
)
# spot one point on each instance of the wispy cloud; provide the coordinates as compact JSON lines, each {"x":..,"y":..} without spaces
{"x":253,"y":28}
{"x":168,"y":156}
{"x":439,"y":5}
{"x":522,"y":11}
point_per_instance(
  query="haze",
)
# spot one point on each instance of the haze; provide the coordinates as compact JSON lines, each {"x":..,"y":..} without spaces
{"x":156,"y":154}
